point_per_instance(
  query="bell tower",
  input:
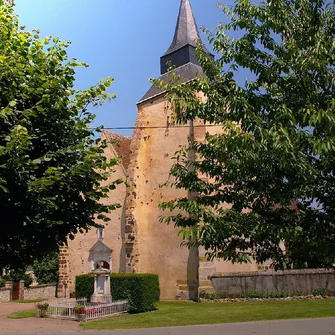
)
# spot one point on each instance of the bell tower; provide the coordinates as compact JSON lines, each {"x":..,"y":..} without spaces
{"x":151,"y":246}
{"x":183,"y":47}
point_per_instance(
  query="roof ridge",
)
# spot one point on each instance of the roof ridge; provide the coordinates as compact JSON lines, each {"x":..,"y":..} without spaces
{"x":117,"y":134}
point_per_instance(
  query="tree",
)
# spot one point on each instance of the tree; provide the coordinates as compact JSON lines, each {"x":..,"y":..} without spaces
{"x":46,"y":268}
{"x":270,"y":187}
{"x":51,"y":165}
{"x":17,"y":275}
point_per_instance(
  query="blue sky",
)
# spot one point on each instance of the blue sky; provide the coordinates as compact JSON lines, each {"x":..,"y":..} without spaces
{"x":121,"y":39}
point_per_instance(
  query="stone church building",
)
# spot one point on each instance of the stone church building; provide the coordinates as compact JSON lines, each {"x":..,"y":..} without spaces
{"x":139,"y":242}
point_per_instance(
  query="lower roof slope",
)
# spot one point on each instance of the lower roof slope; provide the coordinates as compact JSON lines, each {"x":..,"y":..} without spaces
{"x":121,"y":145}
{"x":186,"y":72}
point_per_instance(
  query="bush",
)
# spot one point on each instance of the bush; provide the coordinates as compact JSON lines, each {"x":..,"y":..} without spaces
{"x":255,"y":295}
{"x":266,"y":295}
{"x":17,"y":275}
{"x":141,"y":290}
{"x":84,"y":286}
{"x":46,"y":268}
{"x":323,"y":292}
{"x":214,"y":296}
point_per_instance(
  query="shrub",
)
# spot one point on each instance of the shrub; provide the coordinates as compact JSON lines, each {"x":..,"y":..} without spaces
{"x":141,"y":290}
{"x":256,"y":295}
{"x":42,"y":305}
{"x":46,"y":268}
{"x":266,"y":295}
{"x":214,"y":296}
{"x":323,"y":292}
{"x":17,"y":275}
{"x":84,"y":286}
{"x":79,"y":309}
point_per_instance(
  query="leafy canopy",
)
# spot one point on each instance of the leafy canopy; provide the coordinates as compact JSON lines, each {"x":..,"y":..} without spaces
{"x":264,"y":187}
{"x":46,"y":268}
{"x":51,"y":167}
{"x":15,"y":276}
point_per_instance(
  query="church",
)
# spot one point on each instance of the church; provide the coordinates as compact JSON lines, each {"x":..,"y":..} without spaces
{"x":140,"y":243}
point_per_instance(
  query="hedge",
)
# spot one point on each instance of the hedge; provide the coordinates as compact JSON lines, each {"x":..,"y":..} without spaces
{"x":141,"y":290}
{"x":84,"y":286}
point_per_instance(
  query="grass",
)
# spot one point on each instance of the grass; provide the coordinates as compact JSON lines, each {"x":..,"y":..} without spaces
{"x":28,"y":313}
{"x":29,"y":301}
{"x":171,"y":314}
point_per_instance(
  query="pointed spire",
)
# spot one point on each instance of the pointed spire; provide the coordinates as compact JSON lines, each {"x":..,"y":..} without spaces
{"x":182,"y":48}
{"x":187,"y":32}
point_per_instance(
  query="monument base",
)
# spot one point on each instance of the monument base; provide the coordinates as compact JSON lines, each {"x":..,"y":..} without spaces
{"x":101,"y":299}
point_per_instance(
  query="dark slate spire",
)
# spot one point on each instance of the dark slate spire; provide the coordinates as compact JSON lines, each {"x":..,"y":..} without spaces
{"x":186,"y":29}
{"x":182,"y":49}
{"x":181,"y":53}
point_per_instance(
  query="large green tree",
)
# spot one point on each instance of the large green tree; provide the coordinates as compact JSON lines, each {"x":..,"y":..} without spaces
{"x":265,"y":187}
{"x":51,"y":166}
{"x":46,"y":268}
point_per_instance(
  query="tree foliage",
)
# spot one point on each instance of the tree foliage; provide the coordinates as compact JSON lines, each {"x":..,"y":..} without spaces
{"x":51,"y":166}
{"x":46,"y":268}
{"x":264,"y":187}
{"x":17,"y":275}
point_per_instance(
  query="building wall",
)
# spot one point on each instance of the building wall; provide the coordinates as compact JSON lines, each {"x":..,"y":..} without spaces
{"x":40,"y":292}
{"x":156,"y":247}
{"x":227,"y":267}
{"x":140,"y":242}
{"x":153,"y":246}
{"x":5,"y":295}
{"x":74,"y":259}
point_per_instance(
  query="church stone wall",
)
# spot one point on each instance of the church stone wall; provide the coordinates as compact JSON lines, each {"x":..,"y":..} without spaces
{"x":140,"y":242}
{"x":153,"y":246}
{"x":74,"y":259}
{"x":156,"y":246}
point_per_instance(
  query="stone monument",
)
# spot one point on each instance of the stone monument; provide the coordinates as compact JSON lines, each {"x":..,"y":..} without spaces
{"x":101,"y":260}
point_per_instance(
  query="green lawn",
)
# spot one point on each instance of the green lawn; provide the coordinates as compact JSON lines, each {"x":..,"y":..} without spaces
{"x":170,"y":314}
{"x":28,"y":313}
{"x":30,"y":301}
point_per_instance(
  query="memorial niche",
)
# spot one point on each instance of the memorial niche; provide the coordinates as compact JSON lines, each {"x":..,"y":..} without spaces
{"x":101,"y":259}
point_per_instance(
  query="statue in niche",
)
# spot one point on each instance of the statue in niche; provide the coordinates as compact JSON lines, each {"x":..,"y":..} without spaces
{"x":102,"y":266}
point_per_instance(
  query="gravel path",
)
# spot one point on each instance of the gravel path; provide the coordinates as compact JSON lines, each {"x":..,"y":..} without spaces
{"x":31,"y":325}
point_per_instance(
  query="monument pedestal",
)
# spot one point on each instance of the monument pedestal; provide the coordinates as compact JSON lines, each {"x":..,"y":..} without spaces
{"x":102,"y":287}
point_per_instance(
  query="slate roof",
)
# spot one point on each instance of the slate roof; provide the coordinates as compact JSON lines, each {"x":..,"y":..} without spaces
{"x":186,"y":72}
{"x":182,"y":51}
{"x":186,"y":29}
{"x":102,"y":246}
